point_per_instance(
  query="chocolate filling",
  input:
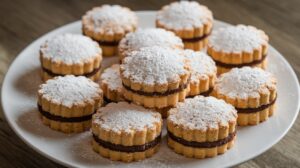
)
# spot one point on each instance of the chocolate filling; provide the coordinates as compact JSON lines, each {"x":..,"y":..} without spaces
{"x":254,"y":110}
{"x":225,"y":65}
{"x":89,"y":74}
{"x":196,"y":39}
{"x":109,"y":43}
{"x":127,"y":149}
{"x":63,"y":119}
{"x":166,"y":93}
{"x":106,"y":100}
{"x":195,"y":144}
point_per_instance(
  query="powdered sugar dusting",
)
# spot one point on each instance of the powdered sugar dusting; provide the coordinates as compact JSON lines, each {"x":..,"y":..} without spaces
{"x":125,"y":117}
{"x":154,"y":65}
{"x":237,"y":39}
{"x":111,"y":76}
{"x":201,"y":64}
{"x":112,"y":18}
{"x":244,"y":82}
{"x":150,"y":37}
{"x":202,"y":113}
{"x":184,"y":14}
{"x":70,"y":48}
{"x":70,"y":90}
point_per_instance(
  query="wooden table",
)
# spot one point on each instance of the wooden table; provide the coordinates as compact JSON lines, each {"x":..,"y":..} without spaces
{"x":22,"y":21}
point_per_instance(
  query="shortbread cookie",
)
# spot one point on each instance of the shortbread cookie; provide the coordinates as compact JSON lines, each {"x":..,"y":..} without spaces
{"x":204,"y":73}
{"x":201,"y":127}
{"x":238,"y":46}
{"x":67,"y":103}
{"x":190,"y":21}
{"x":155,"y":77}
{"x":126,"y":132}
{"x":108,"y":24}
{"x":111,"y":84}
{"x":70,"y":54}
{"x":252,"y":91}
{"x":147,"y":38}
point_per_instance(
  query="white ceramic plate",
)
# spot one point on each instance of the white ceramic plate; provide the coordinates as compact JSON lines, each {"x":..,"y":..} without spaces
{"x":19,"y":104}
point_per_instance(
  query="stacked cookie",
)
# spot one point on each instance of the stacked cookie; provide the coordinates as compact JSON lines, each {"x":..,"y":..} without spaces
{"x":238,"y":46}
{"x":203,"y":74}
{"x":126,"y":132}
{"x":251,"y":90}
{"x":147,"y":38}
{"x":161,"y":74}
{"x":111,"y":84}
{"x":67,"y":103}
{"x":155,"y":77}
{"x":70,"y":54}
{"x":190,"y":21}
{"x":107,"y":25}
{"x":202,"y":127}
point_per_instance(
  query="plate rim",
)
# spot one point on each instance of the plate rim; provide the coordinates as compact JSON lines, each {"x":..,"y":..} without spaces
{"x":7,"y":119}
{"x":66,"y":163}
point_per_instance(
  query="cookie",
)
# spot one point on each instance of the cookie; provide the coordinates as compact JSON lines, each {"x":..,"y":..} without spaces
{"x":108,"y":24}
{"x":201,"y":127}
{"x":126,"y":132}
{"x":252,"y":91}
{"x":190,"y":21}
{"x":238,"y":46}
{"x":147,"y":38}
{"x":155,"y":77}
{"x":204,"y":73}
{"x":70,"y":54}
{"x":111,"y":84}
{"x":67,"y":103}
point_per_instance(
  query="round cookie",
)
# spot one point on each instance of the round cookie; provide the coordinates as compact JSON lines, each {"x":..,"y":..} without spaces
{"x":190,"y":21}
{"x":204,"y":73}
{"x":67,"y":103}
{"x":111,"y":84}
{"x":70,"y":54}
{"x":126,"y":132}
{"x":252,"y":91}
{"x":147,"y":38}
{"x":201,"y":127}
{"x":238,"y":46}
{"x":108,"y":24}
{"x":155,"y":77}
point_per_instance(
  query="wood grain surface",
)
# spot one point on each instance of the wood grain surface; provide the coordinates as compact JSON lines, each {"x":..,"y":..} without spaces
{"x":22,"y":21}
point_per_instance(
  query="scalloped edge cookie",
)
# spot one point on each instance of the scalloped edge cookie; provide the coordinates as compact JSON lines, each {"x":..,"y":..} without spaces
{"x":200,"y":143}
{"x":108,"y":40}
{"x":195,"y":37}
{"x":122,"y":145}
{"x":67,"y":118}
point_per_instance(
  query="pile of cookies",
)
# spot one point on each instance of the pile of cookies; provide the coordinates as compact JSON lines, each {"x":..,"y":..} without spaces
{"x":204,"y":82}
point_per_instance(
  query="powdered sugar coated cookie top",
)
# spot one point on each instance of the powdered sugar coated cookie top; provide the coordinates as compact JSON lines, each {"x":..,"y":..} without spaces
{"x":237,"y":39}
{"x":111,"y":76}
{"x":150,"y":37}
{"x":184,"y":14}
{"x":201,"y":65}
{"x":154,"y":65}
{"x":70,"y":90}
{"x":201,"y":113}
{"x":112,"y":18}
{"x":70,"y":49}
{"x":244,"y":82}
{"x":125,"y":117}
